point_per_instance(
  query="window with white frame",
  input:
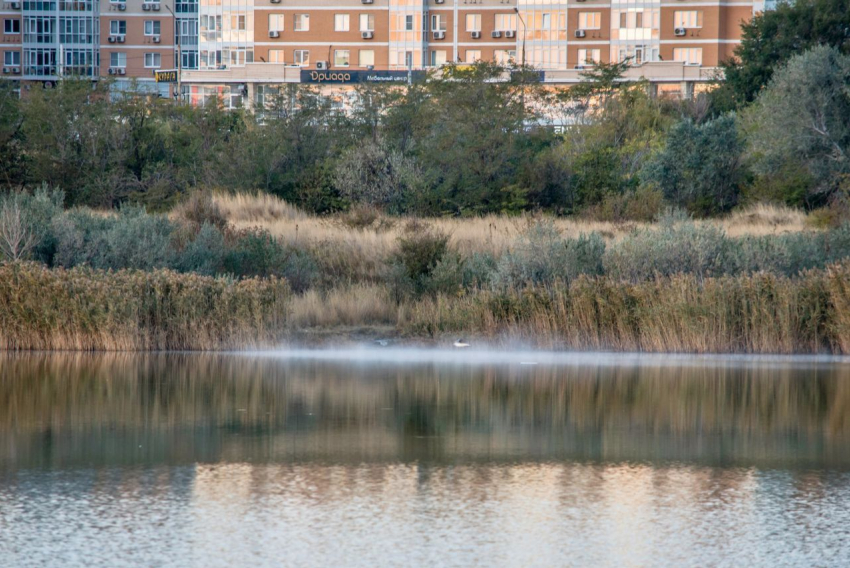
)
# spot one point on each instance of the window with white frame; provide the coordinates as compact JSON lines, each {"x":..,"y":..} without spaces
{"x":505,"y":22}
{"x":367,"y":22}
{"x":153,"y":60}
{"x":438,"y":23}
{"x":12,"y":58}
{"x":588,"y":57}
{"x":342,"y":58}
{"x":366,"y":57}
{"x":152,"y":27}
{"x":117,"y":59}
{"x":438,"y":57}
{"x":504,"y":56}
{"x":589,"y":20}
{"x":688,"y":55}
{"x":239,"y":22}
{"x":342,"y":22}
{"x":276,"y":22}
{"x":302,"y":57}
{"x":687,"y":19}
{"x":409,"y":23}
{"x":473,"y":22}
{"x":472,"y":55}
{"x":276,"y":56}
{"x":302,"y":22}
{"x":118,"y":27}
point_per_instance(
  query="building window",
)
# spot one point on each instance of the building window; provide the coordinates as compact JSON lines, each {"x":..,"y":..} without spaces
{"x":302,"y":22}
{"x":367,"y":22}
{"x":152,"y":60}
{"x":117,"y":59}
{"x":687,"y":19}
{"x":341,"y":22}
{"x":408,"y":23}
{"x":342,"y":58}
{"x":473,"y":55}
{"x":11,"y":26}
{"x":302,"y":57}
{"x":473,"y":22}
{"x":152,"y":28}
{"x":438,"y":57}
{"x":367,"y":57}
{"x":118,"y":27}
{"x":438,"y":23}
{"x":238,"y":22}
{"x":589,"y":20}
{"x":12,"y":58}
{"x":504,"y":56}
{"x":634,"y":20}
{"x":276,"y":22}
{"x":688,"y":55}
{"x":276,"y":56}
{"x":588,"y":57}
{"x":505,"y":22}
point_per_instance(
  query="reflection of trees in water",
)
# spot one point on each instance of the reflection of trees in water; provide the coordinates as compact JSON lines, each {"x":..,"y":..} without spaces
{"x":156,"y":391}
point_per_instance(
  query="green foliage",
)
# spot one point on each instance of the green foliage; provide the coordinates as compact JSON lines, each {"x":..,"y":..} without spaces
{"x":772,"y":37}
{"x":204,"y":254}
{"x":420,"y":249}
{"x":676,"y":247}
{"x":542,"y":256}
{"x":29,"y":215}
{"x":801,"y":123}
{"x":700,"y":166}
{"x":257,"y":253}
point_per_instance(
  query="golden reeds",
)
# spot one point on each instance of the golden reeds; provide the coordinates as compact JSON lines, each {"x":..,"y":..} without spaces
{"x":761,"y":313}
{"x":85,"y":309}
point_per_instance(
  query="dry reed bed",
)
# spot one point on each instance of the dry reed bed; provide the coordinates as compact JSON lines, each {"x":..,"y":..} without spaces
{"x":761,"y":313}
{"x":84,"y":309}
{"x":343,"y":249}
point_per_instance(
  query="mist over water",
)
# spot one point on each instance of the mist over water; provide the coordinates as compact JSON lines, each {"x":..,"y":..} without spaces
{"x":423,"y":456}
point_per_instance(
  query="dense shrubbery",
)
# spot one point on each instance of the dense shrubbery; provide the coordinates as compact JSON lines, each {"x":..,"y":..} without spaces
{"x":466,"y":142}
{"x":197,"y":240}
{"x":423,"y":262}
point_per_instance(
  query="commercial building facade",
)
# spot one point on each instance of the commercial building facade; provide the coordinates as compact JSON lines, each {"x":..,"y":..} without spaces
{"x":234,"y":48}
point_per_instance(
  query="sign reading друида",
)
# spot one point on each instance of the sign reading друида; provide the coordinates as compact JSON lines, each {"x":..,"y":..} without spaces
{"x":341,"y":76}
{"x":169,"y":76}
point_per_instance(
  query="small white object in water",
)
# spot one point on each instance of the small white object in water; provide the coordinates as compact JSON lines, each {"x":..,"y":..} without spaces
{"x":460,"y":343}
{"x":382,"y":342}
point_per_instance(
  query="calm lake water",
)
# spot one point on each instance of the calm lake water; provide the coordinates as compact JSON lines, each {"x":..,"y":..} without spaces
{"x":420,"y":458}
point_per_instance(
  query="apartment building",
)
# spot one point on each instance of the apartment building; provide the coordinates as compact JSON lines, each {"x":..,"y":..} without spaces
{"x":235,"y":48}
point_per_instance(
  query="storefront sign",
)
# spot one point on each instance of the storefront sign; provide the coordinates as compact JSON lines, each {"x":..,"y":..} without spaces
{"x":166,"y":76}
{"x":342,"y":76}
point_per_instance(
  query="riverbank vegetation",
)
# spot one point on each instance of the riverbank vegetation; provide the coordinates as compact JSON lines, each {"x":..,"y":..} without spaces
{"x":450,"y":206}
{"x":192,"y":279}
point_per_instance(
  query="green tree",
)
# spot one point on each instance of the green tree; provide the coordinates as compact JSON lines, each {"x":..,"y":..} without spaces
{"x":802,"y":122}
{"x":700,"y":166}
{"x":772,"y":37}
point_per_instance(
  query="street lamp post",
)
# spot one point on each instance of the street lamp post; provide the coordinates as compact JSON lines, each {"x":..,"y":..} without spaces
{"x":524,"y":33}
{"x":178,"y":48}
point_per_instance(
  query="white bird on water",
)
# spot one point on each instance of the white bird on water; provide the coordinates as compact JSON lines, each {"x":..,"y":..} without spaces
{"x":460,"y":343}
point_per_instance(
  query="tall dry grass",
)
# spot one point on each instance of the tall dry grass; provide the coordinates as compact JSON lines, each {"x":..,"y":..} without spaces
{"x":761,"y":313}
{"x":85,"y":309}
{"x":488,"y":234}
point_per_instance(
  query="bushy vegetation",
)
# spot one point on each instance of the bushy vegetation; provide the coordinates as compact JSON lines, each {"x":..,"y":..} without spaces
{"x":88,"y":309}
{"x":470,"y":140}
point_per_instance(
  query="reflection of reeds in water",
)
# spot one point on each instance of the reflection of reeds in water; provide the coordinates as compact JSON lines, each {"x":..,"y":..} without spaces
{"x":153,"y":391}
{"x":83,"y":309}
